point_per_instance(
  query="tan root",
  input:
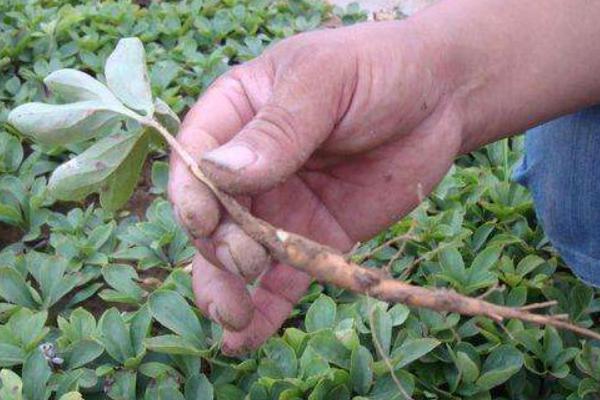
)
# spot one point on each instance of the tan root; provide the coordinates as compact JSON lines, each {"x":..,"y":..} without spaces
{"x":330,"y":266}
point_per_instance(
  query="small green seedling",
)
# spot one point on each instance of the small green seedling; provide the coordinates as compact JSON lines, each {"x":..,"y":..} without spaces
{"x":97,"y":113}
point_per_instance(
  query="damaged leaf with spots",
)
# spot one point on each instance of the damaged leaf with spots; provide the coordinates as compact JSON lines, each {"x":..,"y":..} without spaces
{"x":87,"y":172}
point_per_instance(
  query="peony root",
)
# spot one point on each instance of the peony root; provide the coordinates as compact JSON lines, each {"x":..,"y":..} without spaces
{"x":330,"y":266}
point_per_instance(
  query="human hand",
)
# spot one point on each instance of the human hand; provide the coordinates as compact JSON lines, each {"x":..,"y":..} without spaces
{"x":328,"y":134}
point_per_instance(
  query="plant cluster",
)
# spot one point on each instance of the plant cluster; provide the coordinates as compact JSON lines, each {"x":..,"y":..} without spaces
{"x":97,"y":302}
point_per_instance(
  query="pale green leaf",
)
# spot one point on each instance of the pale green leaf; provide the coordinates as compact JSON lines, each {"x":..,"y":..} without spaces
{"x":11,"y":388}
{"x":320,"y":314}
{"x":85,"y":173}
{"x":59,"y":124}
{"x":282,"y":355}
{"x":127,"y":76}
{"x":73,"y":85}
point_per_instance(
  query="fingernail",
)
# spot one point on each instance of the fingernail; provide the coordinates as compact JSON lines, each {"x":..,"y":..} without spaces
{"x":233,"y":157}
{"x":224,"y":256}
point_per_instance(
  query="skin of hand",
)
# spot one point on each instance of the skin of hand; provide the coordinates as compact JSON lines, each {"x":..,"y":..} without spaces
{"x":330,"y":134}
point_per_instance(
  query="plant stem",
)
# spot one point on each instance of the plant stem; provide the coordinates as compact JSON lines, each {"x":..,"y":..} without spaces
{"x":330,"y":266}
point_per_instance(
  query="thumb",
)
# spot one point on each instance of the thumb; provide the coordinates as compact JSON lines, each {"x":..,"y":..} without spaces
{"x":283,"y":134}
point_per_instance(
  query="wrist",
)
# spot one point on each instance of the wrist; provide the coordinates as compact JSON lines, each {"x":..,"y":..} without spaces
{"x":509,"y":65}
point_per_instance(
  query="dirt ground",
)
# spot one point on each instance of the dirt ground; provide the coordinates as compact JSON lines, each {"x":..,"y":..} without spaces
{"x":386,"y":7}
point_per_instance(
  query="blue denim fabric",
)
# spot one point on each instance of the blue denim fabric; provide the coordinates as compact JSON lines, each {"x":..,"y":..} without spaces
{"x":561,"y":167}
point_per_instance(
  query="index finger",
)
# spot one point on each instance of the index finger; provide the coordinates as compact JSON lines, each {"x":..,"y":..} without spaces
{"x":217,"y":116}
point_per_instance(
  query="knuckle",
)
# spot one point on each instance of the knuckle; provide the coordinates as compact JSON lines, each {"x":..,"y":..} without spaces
{"x":277,"y":126}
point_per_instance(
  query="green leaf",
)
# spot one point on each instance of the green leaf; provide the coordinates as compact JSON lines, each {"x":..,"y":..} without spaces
{"x":385,"y":387}
{"x":530,"y":338}
{"x":140,"y":325}
{"x":166,"y":388}
{"x":579,"y":300}
{"x":517,"y":297}
{"x":467,"y":367}
{"x":11,"y":388}
{"x":528,"y":264}
{"x":160,"y":177}
{"x":172,"y":344}
{"x":119,"y":187}
{"x":327,"y":346}
{"x":32,"y":330}
{"x":11,"y":152}
{"x":588,"y":386}
{"x":320,"y":314}
{"x":499,"y":366}
{"x":69,"y":381}
{"x":361,"y":370}
{"x":123,"y":386}
{"x":382,"y":330}
{"x":399,"y":313}
{"x":81,"y":325}
{"x":552,"y":344}
{"x":14,"y":289}
{"x":127,"y":76}
{"x":36,"y":373}
{"x":228,"y":392}
{"x":172,"y":311}
{"x":282,"y":355}
{"x":49,"y":273}
{"x":486,"y":258}
{"x":122,"y":277}
{"x":86,"y":173}
{"x":83,"y":352}
{"x":157,"y":370}
{"x":115,"y":336}
{"x":10,"y":355}
{"x":60,"y":124}
{"x":84,"y":294}
{"x":453,"y":266}
{"x":588,"y":361}
{"x":10,"y":214}
{"x":73,"y":85}
{"x":411,"y":350}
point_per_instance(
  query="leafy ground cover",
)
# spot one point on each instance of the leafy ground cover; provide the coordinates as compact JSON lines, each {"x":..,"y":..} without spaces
{"x":96,"y":303}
